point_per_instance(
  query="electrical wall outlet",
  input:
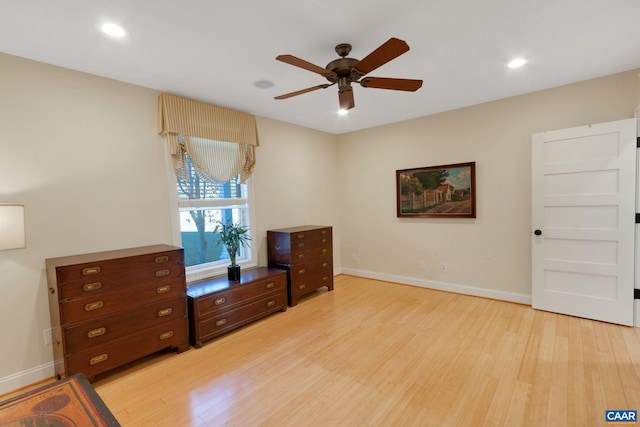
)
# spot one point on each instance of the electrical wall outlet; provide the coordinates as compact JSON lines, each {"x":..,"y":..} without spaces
{"x":422,"y":265}
{"x":48,"y":336}
{"x":443,"y":267}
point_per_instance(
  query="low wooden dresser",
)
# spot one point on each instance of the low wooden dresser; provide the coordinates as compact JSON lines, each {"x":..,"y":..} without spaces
{"x":217,"y":306}
{"x":306,"y":253}
{"x":110,"y":308}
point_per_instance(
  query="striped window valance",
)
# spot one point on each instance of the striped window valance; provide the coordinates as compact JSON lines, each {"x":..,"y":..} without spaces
{"x":220,"y":142}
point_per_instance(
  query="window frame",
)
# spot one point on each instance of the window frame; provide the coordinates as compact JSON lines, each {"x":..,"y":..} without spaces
{"x":218,"y":268}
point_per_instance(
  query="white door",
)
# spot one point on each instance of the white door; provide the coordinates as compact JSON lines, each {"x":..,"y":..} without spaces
{"x":583,"y":221}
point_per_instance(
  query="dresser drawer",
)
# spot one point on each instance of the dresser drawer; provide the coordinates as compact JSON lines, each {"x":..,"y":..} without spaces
{"x":84,"y":280}
{"x":118,"y":352}
{"x":310,"y":239}
{"x":83,"y":309}
{"x":299,"y":246}
{"x":117,"y":325}
{"x":300,"y":269}
{"x":305,"y":284}
{"x":231,"y":319}
{"x":226,"y":299}
{"x":311,"y":254}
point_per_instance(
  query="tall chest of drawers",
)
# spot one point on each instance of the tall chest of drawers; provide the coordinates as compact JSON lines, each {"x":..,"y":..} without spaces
{"x":306,"y":253}
{"x":110,"y":308}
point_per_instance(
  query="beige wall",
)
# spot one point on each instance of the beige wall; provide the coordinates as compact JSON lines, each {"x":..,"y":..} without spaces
{"x":81,"y":152}
{"x":295,"y":181}
{"x":82,"y":155}
{"x":489,"y":255}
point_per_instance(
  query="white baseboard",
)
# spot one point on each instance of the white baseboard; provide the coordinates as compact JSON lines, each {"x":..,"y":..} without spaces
{"x":26,"y":378}
{"x":442,"y":286}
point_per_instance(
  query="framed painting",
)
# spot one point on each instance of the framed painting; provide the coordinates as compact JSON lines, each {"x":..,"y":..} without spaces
{"x":447,"y":191}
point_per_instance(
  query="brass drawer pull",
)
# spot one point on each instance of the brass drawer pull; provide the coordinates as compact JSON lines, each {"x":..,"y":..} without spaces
{"x":269,"y":285}
{"x":98,"y":359}
{"x":325,"y":240}
{"x":93,"y":306}
{"x":271,"y":303}
{"x":300,"y":256}
{"x":162,"y":273}
{"x":302,"y":287}
{"x":163,"y":289}
{"x":161,"y":259}
{"x":300,"y":236}
{"x":166,"y":335}
{"x":96,"y":332}
{"x":220,"y":301}
{"x":301,"y":245}
{"x":165,"y":312}
{"x":221,"y":322}
{"x":324,"y":231}
{"x":92,"y":286}
{"x":90,"y":270}
{"x":301,"y":271}
{"x":324,"y":250}
{"x":325,"y":264}
{"x":325,"y":278}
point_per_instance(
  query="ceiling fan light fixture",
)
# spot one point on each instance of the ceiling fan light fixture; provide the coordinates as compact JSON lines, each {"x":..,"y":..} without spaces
{"x":517,"y":63}
{"x":113,"y":30}
{"x":343,"y":112}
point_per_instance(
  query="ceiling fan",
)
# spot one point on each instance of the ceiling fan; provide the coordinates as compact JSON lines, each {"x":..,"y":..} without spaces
{"x":344,"y":71}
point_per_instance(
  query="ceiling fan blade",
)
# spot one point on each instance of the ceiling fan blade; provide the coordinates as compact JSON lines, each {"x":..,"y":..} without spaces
{"x":346,"y":99}
{"x":393,"y":84}
{"x":300,"y":92}
{"x":389,"y":50}
{"x":297,"y":62}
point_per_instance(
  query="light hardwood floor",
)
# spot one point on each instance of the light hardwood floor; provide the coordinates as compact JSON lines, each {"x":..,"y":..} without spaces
{"x":373,"y":353}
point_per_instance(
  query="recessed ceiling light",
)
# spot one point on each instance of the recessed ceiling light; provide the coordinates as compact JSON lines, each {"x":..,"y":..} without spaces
{"x":113,"y":30}
{"x":343,"y":112}
{"x":517,"y":63}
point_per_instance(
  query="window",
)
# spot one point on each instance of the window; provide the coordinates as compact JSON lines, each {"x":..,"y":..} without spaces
{"x":212,"y":152}
{"x":201,"y":204}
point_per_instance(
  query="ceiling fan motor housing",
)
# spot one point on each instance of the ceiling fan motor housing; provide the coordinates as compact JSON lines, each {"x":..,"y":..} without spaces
{"x":342,"y":67}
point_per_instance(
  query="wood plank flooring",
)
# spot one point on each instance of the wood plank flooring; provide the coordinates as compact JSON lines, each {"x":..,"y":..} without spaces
{"x":374,"y":353}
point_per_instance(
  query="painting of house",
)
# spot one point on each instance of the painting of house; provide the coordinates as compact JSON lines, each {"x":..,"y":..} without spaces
{"x":444,"y":191}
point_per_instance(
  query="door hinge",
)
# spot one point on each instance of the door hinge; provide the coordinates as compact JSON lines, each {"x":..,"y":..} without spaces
{"x":638,"y":218}
{"x":638,"y":141}
{"x":636,"y":294}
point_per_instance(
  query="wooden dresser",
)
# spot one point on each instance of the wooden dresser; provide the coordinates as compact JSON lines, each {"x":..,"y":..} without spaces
{"x":306,"y":253}
{"x":217,"y":305}
{"x":110,"y":308}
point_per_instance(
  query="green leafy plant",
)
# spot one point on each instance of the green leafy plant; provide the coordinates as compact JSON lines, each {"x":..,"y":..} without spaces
{"x":232,"y":236}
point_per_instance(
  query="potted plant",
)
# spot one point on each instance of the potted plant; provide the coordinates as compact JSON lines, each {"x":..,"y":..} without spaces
{"x":232,"y":236}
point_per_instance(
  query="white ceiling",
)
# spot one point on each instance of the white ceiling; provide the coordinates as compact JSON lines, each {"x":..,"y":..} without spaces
{"x":214,"y":50}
